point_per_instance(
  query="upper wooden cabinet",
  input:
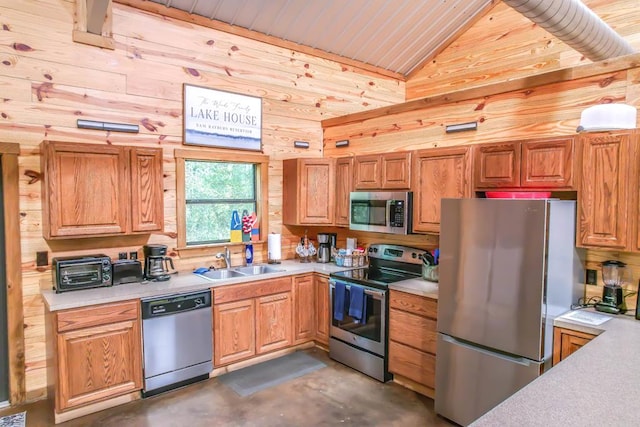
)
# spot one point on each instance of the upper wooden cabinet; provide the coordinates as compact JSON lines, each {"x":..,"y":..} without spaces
{"x":438,"y":173}
{"x":344,"y":186}
{"x":308,"y":191}
{"x":383,"y":171}
{"x":93,"y":190}
{"x":540,"y":163}
{"x":608,"y":193}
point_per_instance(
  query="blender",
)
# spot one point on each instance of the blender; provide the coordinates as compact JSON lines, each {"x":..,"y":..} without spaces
{"x":613,"y":276}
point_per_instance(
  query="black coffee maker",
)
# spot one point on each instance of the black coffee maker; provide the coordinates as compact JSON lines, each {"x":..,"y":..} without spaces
{"x":156,"y":263}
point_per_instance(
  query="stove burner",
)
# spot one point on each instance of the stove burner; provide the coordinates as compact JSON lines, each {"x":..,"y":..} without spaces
{"x":373,"y":276}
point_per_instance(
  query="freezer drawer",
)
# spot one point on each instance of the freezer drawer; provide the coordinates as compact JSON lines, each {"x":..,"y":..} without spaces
{"x":470,"y":381}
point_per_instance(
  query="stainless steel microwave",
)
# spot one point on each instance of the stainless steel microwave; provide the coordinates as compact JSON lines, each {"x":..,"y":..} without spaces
{"x":381,"y":211}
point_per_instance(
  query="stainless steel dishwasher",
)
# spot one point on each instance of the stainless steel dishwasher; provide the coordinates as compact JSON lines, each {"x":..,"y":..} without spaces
{"x":177,"y":338}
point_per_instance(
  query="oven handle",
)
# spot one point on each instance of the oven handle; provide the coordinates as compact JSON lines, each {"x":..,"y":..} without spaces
{"x":367,"y":291}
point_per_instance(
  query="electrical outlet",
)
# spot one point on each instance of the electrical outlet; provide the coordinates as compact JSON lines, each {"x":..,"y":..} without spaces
{"x":42,"y":259}
{"x":592,"y":277}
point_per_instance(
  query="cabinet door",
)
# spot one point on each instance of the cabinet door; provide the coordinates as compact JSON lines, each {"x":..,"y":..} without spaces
{"x":438,"y":173}
{"x":234,"y":332}
{"x":323,"y":309}
{"x":146,"y":190}
{"x":97,"y":363}
{"x":547,"y":163}
{"x":304,"y":310}
{"x":308,"y":191}
{"x":344,"y":186}
{"x":367,"y":173}
{"x":603,"y":196}
{"x":567,"y":342}
{"x":497,"y":165}
{"x":85,"y":190}
{"x":273,"y":322}
{"x":396,"y":171}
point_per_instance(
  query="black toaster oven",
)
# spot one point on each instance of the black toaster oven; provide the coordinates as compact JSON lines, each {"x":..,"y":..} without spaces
{"x":81,"y":272}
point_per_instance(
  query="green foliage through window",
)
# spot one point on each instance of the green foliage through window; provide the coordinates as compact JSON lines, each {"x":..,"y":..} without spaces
{"x":213,"y":190}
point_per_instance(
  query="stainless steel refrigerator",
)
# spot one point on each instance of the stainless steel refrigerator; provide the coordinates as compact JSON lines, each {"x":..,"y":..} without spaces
{"x":507,"y":269}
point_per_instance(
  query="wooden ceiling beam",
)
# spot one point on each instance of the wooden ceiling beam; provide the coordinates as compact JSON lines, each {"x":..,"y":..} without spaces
{"x":523,"y":83}
{"x":92,"y":22}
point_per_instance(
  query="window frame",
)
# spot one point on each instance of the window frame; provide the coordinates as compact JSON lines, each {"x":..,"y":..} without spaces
{"x":262,"y":196}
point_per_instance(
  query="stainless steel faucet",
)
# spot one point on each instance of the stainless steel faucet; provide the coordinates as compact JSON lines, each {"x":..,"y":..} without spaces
{"x":226,"y":255}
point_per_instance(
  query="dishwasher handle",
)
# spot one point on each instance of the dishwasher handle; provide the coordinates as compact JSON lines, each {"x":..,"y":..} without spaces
{"x":174,"y":304}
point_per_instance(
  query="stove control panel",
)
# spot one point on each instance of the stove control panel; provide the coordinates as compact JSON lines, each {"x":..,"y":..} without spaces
{"x":396,"y":253}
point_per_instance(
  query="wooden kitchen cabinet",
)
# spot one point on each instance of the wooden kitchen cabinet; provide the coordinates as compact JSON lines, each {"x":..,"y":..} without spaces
{"x":250,"y":319}
{"x":308,"y":191}
{"x":568,"y":341}
{"x":304,"y":308}
{"x":323,"y":309}
{"x":95,"y":190}
{"x":344,"y":186}
{"x":530,"y":164}
{"x":412,"y":341}
{"x":98,"y":353}
{"x":608,"y":188}
{"x":438,"y":173}
{"x":234,"y":331}
{"x":273,"y":322}
{"x":390,"y":171}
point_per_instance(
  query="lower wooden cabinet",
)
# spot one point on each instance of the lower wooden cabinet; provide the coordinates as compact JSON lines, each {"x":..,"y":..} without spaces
{"x":412,"y":340}
{"x":567,"y":342}
{"x":234,"y":331}
{"x":304,"y":308}
{"x":323,"y":309}
{"x":251,"y":319}
{"x":98,"y":353}
{"x":273,"y":322}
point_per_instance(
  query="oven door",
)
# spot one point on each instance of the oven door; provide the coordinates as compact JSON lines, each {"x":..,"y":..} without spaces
{"x":370,"y":334}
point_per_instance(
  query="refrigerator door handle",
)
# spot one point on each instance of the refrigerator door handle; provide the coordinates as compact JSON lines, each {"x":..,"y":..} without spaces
{"x":519,"y":360}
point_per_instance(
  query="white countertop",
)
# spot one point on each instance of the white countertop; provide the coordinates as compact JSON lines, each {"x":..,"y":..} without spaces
{"x":597,"y":385}
{"x":184,"y":281}
{"x":418,"y":287}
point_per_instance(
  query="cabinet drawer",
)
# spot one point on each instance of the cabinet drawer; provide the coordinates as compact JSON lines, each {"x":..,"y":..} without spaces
{"x":415,"y":331}
{"x":97,"y":315}
{"x":413,"y":364}
{"x":415,"y":304}
{"x":251,"y":290}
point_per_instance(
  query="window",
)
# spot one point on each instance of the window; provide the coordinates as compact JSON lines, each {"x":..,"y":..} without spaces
{"x":210,"y":186}
{"x":213,"y":190}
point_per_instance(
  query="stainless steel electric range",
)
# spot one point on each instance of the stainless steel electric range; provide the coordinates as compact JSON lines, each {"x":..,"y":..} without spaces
{"x":360,"y":310}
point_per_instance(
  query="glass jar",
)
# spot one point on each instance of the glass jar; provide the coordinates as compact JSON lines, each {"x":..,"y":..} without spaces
{"x":430,"y":272}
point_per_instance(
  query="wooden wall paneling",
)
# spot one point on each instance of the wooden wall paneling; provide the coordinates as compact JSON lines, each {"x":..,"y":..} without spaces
{"x":15,"y":321}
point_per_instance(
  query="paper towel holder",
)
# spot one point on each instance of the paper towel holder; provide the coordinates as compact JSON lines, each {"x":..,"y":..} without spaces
{"x":271,"y":259}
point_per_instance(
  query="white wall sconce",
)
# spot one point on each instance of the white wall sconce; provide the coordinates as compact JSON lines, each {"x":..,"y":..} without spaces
{"x":301,"y":144}
{"x":114,"y":127}
{"x":342,"y":143}
{"x":461,"y":127}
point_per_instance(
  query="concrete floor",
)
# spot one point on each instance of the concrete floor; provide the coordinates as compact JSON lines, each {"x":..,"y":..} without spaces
{"x":335,"y":395}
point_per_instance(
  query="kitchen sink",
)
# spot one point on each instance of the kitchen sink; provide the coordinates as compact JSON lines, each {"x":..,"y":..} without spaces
{"x":220,"y":274}
{"x":252,"y":270}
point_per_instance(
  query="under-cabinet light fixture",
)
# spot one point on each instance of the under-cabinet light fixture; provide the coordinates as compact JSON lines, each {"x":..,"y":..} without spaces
{"x":342,"y":143}
{"x":301,"y":144}
{"x":115,"y":127}
{"x":461,"y":127}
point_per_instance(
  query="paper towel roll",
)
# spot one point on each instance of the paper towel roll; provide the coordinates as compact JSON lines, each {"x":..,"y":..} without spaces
{"x":274,"y":248}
